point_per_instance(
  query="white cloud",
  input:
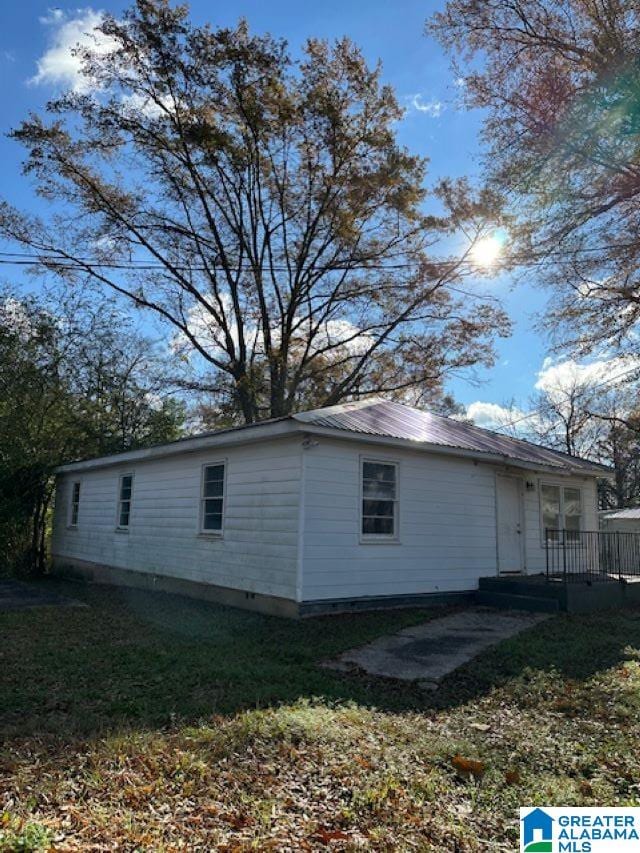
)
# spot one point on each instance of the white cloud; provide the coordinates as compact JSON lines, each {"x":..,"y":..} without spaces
{"x":53,"y":16}
{"x":136,"y":103}
{"x":340,"y":337}
{"x":492,"y":415}
{"x":58,"y":65}
{"x":558,"y":378}
{"x":433,"y":107}
{"x":342,"y":333}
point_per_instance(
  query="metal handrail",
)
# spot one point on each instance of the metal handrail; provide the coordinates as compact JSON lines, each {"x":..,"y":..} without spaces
{"x":591,"y":555}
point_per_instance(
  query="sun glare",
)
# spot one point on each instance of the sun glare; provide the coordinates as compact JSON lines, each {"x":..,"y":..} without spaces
{"x":486,"y":251}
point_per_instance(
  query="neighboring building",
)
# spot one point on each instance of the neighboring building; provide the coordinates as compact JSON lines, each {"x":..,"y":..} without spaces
{"x":621,"y":520}
{"x":361,"y":504}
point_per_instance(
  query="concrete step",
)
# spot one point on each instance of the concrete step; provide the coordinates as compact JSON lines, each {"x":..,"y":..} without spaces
{"x":511,"y":601}
{"x":522,"y":586}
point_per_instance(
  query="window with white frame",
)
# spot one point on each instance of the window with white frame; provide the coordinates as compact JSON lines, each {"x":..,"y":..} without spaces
{"x":125,"y":493}
{"x":75,"y":505}
{"x":561,"y":509}
{"x":212,"y":498}
{"x":379,"y":505}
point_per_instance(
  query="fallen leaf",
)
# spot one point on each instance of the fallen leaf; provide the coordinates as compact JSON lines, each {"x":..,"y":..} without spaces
{"x":512,"y":777}
{"x":468,"y":765}
{"x":329,"y":835}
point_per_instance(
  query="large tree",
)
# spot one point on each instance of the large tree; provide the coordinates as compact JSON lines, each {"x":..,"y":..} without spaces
{"x":263,"y":208}
{"x":579,"y":413}
{"x":559,"y":81}
{"x":76,"y":380}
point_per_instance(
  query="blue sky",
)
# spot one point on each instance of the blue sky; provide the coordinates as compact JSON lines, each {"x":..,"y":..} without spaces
{"x":435,"y":125}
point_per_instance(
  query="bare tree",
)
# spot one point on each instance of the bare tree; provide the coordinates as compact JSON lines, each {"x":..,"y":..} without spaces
{"x":563,"y":419}
{"x":262,"y":208}
{"x":560,"y":83}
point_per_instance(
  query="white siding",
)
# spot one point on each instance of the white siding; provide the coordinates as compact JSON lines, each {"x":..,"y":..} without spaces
{"x":447,"y":523}
{"x":447,"y":531}
{"x":535,"y":553}
{"x":292,"y":521}
{"x":258,"y":551}
{"x":621,"y":525}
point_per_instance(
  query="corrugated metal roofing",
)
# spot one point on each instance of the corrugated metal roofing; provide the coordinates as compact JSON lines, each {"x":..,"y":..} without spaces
{"x":394,"y":420}
{"x":630,"y":513}
{"x":381,"y":419}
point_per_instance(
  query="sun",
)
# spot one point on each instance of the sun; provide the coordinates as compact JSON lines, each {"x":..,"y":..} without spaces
{"x":487,"y":251}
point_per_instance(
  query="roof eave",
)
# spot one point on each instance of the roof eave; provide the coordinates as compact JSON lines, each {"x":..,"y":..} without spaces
{"x":448,"y":450}
{"x":280,"y":429}
{"x":250,"y":434}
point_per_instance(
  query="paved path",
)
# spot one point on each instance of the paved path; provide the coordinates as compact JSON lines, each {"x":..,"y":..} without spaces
{"x":15,"y":595}
{"x":428,"y":652}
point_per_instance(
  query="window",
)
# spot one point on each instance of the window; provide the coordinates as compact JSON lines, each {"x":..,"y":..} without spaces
{"x":551,"y":512}
{"x":75,"y":505}
{"x":124,"y":501}
{"x":572,"y":500}
{"x":561,"y":509}
{"x":379,"y":499}
{"x":212,"y":498}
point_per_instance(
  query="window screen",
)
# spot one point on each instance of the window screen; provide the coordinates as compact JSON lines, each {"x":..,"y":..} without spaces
{"x":379,"y":498}
{"x":212,"y":499}
{"x":124,"y":503}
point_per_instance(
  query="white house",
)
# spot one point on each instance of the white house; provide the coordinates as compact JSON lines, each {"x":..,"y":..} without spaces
{"x":361,"y":504}
{"x":621,"y":520}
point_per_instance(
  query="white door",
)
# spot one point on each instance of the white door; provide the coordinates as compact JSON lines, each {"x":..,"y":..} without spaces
{"x":509,"y":522}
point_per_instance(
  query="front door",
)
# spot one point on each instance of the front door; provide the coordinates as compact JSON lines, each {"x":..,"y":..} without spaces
{"x":509,"y":523}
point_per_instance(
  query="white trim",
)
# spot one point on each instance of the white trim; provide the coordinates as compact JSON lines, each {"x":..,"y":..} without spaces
{"x":216,"y":534}
{"x":458,"y":452}
{"x":73,"y":525}
{"x":302,"y":515}
{"x":522,"y":521}
{"x":561,"y":485}
{"x":194,"y":444}
{"x":124,"y":528}
{"x":379,"y":538}
{"x":296,"y":425}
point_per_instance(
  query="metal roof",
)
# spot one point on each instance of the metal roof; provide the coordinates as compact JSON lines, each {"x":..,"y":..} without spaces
{"x":379,"y":419}
{"x":394,"y":420}
{"x":632,"y":512}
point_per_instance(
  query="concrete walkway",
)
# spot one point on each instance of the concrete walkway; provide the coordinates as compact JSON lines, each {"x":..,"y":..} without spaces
{"x":15,"y":595}
{"x":428,"y":652}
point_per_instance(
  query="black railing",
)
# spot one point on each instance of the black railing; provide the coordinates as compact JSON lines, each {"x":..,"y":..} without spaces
{"x":592,"y":555}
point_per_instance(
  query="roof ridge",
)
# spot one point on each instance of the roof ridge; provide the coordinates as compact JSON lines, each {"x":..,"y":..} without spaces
{"x":339,"y":408}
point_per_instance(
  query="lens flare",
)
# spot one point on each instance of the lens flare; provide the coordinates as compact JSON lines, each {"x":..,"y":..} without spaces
{"x":487,"y":251}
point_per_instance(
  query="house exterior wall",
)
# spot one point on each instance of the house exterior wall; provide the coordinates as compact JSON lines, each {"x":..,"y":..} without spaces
{"x":534,"y":548}
{"x":620,"y":525}
{"x":447,"y":523}
{"x":257,"y":551}
{"x":292,"y":521}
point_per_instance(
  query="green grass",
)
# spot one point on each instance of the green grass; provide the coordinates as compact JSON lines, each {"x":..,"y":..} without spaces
{"x":134,"y":658}
{"x":146,"y":722}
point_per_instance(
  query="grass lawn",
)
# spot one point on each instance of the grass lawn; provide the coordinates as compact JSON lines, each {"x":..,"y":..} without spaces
{"x":146,"y":722}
